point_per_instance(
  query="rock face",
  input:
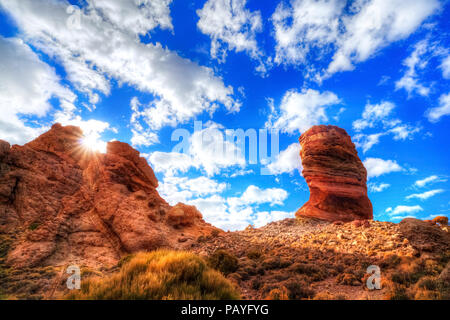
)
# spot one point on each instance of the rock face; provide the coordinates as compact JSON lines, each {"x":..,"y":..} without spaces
{"x":425,"y":237}
{"x":64,"y":204}
{"x":335,"y":176}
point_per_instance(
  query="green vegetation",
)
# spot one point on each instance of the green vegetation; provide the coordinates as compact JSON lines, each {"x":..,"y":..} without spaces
{"x":159,"y":275}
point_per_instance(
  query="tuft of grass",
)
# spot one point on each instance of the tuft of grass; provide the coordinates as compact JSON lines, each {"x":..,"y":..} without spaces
{"x":159,"y":275}
{"x":278,"y":294}
{"x":223,"y":261}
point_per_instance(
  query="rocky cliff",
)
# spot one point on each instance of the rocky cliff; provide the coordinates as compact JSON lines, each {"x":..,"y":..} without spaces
{"x":335,"y":176}
{"x":61,"y":203}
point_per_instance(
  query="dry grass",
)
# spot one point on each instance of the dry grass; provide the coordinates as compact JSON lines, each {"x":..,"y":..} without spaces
{"x":159,"y":275}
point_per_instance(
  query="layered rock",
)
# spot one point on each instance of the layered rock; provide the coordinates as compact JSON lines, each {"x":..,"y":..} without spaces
{"x":64,"y":204}
{"x":335,"y":175}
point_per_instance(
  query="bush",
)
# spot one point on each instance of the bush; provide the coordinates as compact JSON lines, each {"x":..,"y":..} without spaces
{"x":396,"y":292}
{"x":223,"y":261}
{"x":298,"y":290}
{"x":159,"y":275}
{"x":278,"y":294}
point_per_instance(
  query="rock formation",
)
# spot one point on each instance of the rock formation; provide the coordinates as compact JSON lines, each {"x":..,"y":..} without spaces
{"x":62,"y":203}
{"x":335,"y":176}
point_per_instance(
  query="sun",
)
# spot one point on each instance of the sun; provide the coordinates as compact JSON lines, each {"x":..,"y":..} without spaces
{"x":92,"y":143}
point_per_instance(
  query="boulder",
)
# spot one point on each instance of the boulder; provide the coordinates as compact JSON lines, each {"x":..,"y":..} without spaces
{"x":335,"y":175}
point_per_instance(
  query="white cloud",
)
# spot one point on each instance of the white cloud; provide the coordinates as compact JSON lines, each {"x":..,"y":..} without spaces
{"x":208,"y":150}
{"x":377,"y":167}
{"x":231,"y":27}
{"x":435,"y":114}
{"x":287,"y":161}
{"x":431,"y":179}
{"x":26,"y":86}
{"x":366,"y":142}
{"x":107,"y":43}
{"x":373,"y":114}
{"x":171,"y":163}
{"x":233,"y":213}
{"x":136,"y":17}
{"x":425,"y":195}
{"x":403,"y":210}
{"x":349,"y":36}
{"x":182,"y":189}
{"x":301,"y":110}
{"x":445,"y":66}
{"x":413,"y":63}
{"x":376,"y":115}
{"x":255,"y":195}
{"x":303,"y":26}
{"x":236,"y":213}
{"x":265,"y":217}
{"x":403,"y":132}
{"x":373,"y":187}
{"x":375,"y":25}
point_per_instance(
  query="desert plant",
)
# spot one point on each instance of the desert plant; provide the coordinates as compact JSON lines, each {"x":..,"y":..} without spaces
{"x":159,"y":275}
{"x":278,"y":294}
{"x":224,"y":261}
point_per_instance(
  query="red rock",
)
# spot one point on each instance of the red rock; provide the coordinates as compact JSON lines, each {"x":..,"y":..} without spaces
{"x":335,"y":176}
{"x":67,"y":205}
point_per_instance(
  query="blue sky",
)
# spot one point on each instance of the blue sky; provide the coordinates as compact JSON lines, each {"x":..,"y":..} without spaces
{"x":136,"y":71}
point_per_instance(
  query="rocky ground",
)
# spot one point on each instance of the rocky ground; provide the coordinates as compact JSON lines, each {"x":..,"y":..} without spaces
{"x":308,"y":258}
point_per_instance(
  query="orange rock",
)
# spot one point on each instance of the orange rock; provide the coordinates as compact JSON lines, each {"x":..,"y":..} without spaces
{"x":69,"y":205}
{"x":442,"y":220}
{"x":335,"y":176}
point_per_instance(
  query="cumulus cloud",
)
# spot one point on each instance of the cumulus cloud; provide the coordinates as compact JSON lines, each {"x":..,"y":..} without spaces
{"x":106,"y":41}
{"x":373,"y":114}
{"x":425,"y":195}
{"x":287,"y":161}
{"x":374,"y":187}
{"x":435,"y":114}
{"x":232,"y":213}
{"x":231,"y":27}
{"x":401,"y":210}
{"x":136,"y":17}
{"x":299,"y":111}
{"x":347,"y":36}
{"x":303,"y":26}
{"x":183,"y":189}
{"x":26,"y":86}
{"x":374,"y":25}
{"x":377,"y":167}
{"x":428,"y":180}
{"x":255,"y":195}
{"x":208,"y":150}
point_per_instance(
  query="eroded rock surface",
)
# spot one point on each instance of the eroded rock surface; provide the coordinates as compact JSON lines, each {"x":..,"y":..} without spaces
{"x":64,"y":204}
{"x":335,"y":175}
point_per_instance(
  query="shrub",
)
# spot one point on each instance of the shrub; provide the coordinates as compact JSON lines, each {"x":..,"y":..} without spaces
{"x":278,"y":294}
{"x":223,"y":261}
{"x":396,"y":292}
{"x":254,"y":254}
{"x":298,"y":290}
{"x":159,"y":275}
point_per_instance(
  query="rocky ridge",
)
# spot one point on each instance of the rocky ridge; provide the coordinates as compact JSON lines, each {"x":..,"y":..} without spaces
{"x":63,"y":204}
